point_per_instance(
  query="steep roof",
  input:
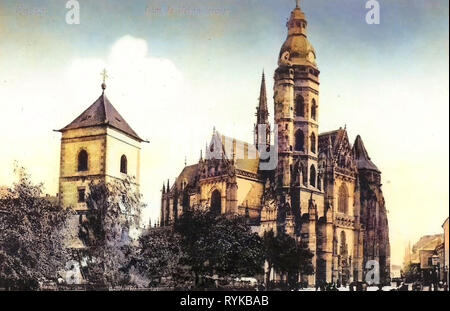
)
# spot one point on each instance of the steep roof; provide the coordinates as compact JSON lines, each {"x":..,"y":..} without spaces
{"x":362,"y":157}
{"x":337,"y":139}
{"x":100,"y":113}
{"x":189,"y":173}
{"x":247,"y":156}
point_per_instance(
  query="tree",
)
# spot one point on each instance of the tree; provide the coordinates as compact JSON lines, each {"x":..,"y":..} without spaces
{"x":286,"y":256}
{"x":412,"y":273}
{"x":219,"y":245}
{"x":33,"y":231}
{"x":113,"y":213}
{"x":160,"y":258}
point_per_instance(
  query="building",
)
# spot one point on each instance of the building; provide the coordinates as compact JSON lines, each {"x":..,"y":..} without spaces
{"x":322,"y":189}
{"x":422,"y":254}
{"x":445,"y":252}
{"x":99,"y":145}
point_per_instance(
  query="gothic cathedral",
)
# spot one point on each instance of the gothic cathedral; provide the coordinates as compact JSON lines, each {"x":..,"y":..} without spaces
{"x":323,"y":190}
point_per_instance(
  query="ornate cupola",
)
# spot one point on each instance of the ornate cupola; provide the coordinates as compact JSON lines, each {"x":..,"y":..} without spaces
{"x":297,"y":50}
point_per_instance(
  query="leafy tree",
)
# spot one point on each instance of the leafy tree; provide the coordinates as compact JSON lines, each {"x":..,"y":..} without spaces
{"x":412,"y":273}
{"x":160,"y":258}
{"x":288,"y":257}
{"x":219,"y":245}
{"x":33,"y":231}
{"x":113,"y":213}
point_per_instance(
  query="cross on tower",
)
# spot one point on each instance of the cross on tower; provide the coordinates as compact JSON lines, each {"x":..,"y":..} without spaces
{"x":104,"y":75}
{"x":298,"y":3}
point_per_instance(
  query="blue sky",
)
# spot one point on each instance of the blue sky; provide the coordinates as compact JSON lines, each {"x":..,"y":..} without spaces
{"x":174,"y":76}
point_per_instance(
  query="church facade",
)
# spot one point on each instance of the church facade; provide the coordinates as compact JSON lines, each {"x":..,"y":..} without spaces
{"x":323,"y":190}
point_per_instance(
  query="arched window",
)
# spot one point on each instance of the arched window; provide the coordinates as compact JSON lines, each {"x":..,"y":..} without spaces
{"x":300,"y":106}
{"x":312,"y":176}
{"x":299,"y":140}
{"x":343,"y":199}
{"x":83,"y":161}
{"x":123,"y":164}
{"x":216,"y":202}
{"x":313,"y":142}
{"x":313,"y":110}
{"x":319,"y":181}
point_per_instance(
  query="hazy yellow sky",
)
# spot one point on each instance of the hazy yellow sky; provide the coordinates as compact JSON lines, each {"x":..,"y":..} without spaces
{"x":173,"y":78}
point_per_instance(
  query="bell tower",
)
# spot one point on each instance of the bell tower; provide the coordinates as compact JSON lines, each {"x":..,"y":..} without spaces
{"x":97,"y":146}
{"x":296,"y":102}
{"x":296,"y":97}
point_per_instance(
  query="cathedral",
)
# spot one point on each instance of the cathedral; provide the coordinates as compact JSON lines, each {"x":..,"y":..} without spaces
{"x":322,"y":190}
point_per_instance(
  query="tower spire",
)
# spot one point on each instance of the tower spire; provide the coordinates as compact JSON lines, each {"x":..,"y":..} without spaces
{"x":297,"y":2}
{"x":262,"y":114}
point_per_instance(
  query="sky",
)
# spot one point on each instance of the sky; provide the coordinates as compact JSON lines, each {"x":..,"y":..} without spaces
{"x":179,"y":68}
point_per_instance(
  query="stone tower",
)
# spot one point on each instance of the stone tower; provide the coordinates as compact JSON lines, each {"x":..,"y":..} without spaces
{"x":99,"y":145}
{"x":296,"y":100}
{"x":373,"y":211}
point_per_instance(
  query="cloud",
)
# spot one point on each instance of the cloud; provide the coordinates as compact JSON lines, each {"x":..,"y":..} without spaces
{"x":149,"y":92}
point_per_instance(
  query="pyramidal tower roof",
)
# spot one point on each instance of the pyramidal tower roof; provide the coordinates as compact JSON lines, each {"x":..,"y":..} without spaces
{"x":102,"y":113}
{"x":362,"y":157}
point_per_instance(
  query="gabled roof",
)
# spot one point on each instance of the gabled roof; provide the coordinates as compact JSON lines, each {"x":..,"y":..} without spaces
{"x":102,"y":113}
{"x":247,"y":156}
{"x":337,"y":138}
{"x":362,"y":157}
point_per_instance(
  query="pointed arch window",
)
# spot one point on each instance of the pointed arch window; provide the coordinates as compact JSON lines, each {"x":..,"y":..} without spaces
{"x":314,"y":110}
{"x":216,"y":202}
{"x":123,"y":164}
{"x":299,"y":141}
{"x":313,"y":142}
{"x":343,"y":199}
{"x":83,"y":158}
{"x":312,"y":176}
{"x":300,"y":106}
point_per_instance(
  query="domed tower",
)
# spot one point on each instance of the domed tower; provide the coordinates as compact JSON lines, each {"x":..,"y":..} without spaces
{"x":296,"y":98}
{"x":296,"y":102}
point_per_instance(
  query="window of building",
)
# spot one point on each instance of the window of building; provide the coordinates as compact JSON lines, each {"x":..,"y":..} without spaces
{"x":312,"y":176}
{"x":123,"y":164}
{"x":343,"y":249}
{"x":216,"y":202}
{"x":343,"y":199}
{"x":83,"y":161}
{"x":81,"y":195}
{"x":300,"y":106}
{"x":314,"y":110}
{"x":313,"y":143}
{"x":299,"y":140}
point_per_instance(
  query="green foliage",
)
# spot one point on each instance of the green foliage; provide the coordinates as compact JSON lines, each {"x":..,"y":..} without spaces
{"x":412,"y":273}
{"x":113,"y":212}
{"x":160,"y":258}
{"x":32,"y":236}
{"x":219,"y":245}
{"x":284,"y":254}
